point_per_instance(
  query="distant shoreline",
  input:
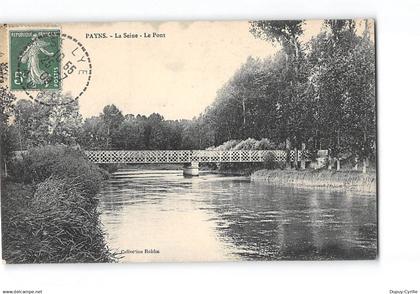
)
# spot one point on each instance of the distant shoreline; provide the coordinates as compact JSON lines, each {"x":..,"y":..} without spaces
{"x":349,"y":180}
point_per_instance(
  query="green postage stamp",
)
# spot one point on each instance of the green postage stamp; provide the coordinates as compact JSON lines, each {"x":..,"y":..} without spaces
{"x":35,"y":57}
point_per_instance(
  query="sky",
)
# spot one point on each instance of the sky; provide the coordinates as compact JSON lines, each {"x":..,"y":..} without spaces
{"x":177,"y":75}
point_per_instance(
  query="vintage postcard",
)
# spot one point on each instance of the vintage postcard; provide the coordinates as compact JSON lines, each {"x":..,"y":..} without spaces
{"x":188,"y":141}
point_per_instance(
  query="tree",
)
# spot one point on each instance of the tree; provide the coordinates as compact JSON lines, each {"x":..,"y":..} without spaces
{"x":131,"y":134}
{"x":93,"y":134}
{"x":284,"y":32}
{"x":65,"y":120}
{"x":56,"y":122}
{"x":198,"y":133}
{"x":342,"y":65}
{"x":155,"y":133}
{"x":6,"y":111}
{"x":292,"y":101}
{"x":112,"y":118}
{"x":24,"y":123}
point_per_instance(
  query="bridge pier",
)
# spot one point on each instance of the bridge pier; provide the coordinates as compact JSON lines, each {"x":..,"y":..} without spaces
{"x":191,"y":169}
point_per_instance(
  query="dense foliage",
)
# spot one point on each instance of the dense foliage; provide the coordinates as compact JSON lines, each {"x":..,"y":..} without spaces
{"x":56,"y":122}
{"x":248,"y":144}
{"x":6,"y":111}
{"x":49,"y":209}
{"x":321,"y":93}
{"x":112,"y":130}
{"x":40,"y":163}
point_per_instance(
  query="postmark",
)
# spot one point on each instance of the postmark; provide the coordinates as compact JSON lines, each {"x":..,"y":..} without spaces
{"x":44,"y":71}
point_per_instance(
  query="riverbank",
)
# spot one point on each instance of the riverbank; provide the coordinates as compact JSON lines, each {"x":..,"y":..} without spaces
{"x":49,"y":209}
{"x":353,"y":180}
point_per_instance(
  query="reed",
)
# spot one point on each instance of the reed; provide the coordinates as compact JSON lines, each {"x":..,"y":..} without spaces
{"x":353,"y":180}
{"x":54,"y":219}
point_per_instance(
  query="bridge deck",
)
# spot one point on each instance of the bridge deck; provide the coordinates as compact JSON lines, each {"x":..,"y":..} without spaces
{"x":187,"y":156}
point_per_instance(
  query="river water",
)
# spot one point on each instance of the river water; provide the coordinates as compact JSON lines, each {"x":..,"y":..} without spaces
{"x":153,"y":215}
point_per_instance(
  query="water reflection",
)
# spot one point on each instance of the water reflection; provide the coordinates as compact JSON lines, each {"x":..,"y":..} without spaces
{"x":228,"y":218}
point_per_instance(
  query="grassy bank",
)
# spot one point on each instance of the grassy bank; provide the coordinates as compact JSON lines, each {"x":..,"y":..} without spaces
{"x":353,"y":180}
{"x":49,"y":209}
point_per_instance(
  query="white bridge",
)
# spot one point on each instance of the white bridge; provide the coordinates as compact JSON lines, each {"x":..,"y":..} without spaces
{"x":194,"y":156}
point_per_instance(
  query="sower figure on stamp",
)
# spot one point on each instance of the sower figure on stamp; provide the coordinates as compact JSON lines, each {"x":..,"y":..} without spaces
{"x":31,"y":57}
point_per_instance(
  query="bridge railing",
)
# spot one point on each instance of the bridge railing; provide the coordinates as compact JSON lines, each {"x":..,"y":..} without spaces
{"x":187,"y":156}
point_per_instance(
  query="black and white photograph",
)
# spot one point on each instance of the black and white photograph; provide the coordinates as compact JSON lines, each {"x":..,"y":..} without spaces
{"x":253,"y":141}
{"x":206,"y":151}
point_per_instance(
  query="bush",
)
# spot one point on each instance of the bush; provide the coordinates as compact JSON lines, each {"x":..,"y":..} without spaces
{"x":36,"y":164}
{"x":228,"y":145}
{"x":63,"y":162}
{"x":76,"y":168}
{"x":265,"y":144}
{"x":248,"y":144}
{"x":270,"y":161}
{"x":51,"y":215}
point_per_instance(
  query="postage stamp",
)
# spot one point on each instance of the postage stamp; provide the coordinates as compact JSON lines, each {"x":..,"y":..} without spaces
{"x":35,"y":59}
{"x":45,"y":63}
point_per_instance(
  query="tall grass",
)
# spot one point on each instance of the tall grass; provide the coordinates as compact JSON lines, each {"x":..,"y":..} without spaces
{"x":49,"y":209}
{"x":319,"y":178}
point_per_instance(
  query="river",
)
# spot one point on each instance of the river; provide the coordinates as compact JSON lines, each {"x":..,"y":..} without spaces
{"x":160,"y":215}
